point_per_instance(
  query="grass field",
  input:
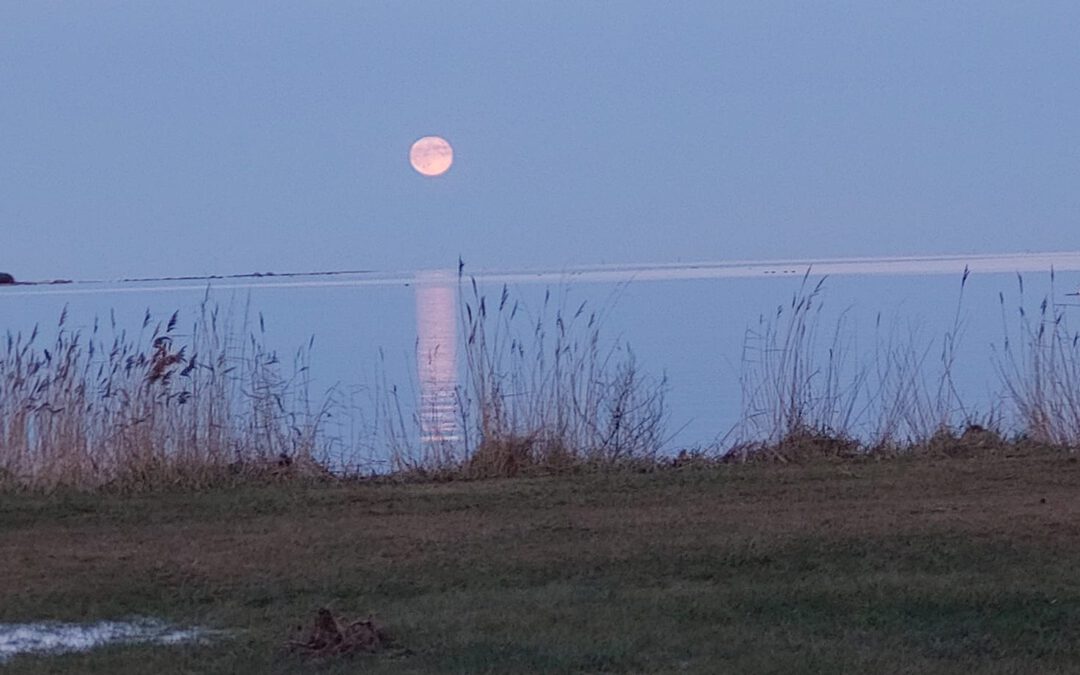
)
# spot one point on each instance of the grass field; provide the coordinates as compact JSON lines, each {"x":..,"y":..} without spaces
{"x":902,"y":565}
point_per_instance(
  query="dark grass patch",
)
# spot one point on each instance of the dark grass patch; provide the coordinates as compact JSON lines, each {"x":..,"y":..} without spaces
{"x":947,"y":565}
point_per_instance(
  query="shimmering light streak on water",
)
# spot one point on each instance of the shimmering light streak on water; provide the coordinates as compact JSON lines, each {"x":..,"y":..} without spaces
{"x":437,"y":355}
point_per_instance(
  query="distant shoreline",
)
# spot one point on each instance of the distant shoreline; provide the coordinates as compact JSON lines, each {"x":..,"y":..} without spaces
{"x":997,"y":263}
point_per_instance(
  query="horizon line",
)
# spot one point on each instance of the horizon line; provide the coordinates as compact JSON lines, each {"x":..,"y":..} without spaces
{"x":938,"y":264}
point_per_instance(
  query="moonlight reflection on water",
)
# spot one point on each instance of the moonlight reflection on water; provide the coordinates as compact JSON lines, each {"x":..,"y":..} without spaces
{"x":437,"y":355}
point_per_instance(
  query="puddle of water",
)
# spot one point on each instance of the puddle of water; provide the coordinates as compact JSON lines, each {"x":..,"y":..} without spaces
{"x":51,"y":637}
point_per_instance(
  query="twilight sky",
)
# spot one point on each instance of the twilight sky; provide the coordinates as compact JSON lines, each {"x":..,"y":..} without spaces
{"x":146,"y":138}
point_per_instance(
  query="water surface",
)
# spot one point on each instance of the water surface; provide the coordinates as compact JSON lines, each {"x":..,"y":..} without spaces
{"x":686,"y":322}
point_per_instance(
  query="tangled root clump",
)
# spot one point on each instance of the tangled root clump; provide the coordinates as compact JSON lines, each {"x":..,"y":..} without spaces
{"x":330,"y":636}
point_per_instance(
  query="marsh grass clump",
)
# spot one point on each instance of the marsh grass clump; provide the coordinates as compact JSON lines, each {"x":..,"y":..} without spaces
{"x":555,"y":395}
{"x":159,"y":408}
{"x":796,"y":395}
{"x":974,"y":440}
{"x":1039,"y":370}
{"x":808,"y":392}
{"x":541,"y":393}
{"x":800,"y":446}
{"x":512,"y":456}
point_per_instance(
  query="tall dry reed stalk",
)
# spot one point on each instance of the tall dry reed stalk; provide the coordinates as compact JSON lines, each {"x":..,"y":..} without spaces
{"x":158,"y":408}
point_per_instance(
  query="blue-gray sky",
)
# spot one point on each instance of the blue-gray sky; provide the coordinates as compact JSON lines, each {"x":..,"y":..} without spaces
{"x":143,"y":138}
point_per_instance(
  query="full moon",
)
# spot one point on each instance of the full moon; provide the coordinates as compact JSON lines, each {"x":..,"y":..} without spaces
{"x":431,"y":155}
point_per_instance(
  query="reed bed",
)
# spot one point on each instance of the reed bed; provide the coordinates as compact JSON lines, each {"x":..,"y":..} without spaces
{"x":1038,"y":366}
{"x":160,"y":408}
{"x":541,"y":392}
{"x":796,"y":392}
{"x":807,"y":390}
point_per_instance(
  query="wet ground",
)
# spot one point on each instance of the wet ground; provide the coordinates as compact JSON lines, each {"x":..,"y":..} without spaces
{"x":56,"y":638}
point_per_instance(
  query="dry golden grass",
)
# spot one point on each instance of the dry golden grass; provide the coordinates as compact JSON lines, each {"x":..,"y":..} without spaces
{"x":164,"y":408}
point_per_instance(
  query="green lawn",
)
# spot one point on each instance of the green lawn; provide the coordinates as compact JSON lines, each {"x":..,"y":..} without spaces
{"x":921,"y":566}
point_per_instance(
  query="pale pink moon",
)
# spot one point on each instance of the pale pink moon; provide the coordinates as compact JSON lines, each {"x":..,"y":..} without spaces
{"x":431,"y":155}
